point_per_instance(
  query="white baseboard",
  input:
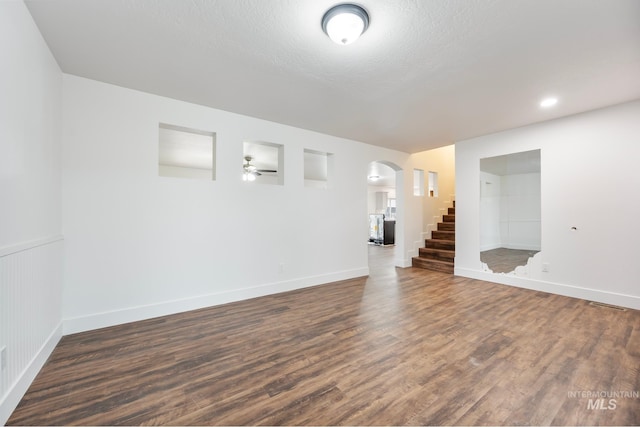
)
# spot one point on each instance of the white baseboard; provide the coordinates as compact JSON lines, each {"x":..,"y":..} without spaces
{"x":516,"y":246}
{"x":15,"y":393}
{"x":621,"y":300}
{"x":490,"y":247}
{"x":523,"y":247}
{"x":133,"y":314}
{"x":403,"y":262}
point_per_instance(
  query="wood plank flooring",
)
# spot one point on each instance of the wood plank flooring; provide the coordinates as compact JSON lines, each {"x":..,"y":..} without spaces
{"x":402,"y":347}
{"x":503,"y":260}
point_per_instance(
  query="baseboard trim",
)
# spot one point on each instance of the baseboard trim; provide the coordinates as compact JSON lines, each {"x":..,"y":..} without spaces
{"x":515,"y":246}
{"x":490,"y":247}
{"x":17,"y":390}
{"x":622,"y":300}
{"x":403,"y":262}
{"x":133,"y":314}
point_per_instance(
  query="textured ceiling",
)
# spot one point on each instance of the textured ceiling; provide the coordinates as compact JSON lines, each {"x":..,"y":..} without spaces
{"x":425,"y":74}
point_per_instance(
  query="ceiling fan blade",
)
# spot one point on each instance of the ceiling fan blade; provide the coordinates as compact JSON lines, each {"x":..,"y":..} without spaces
{"x":267,"y":170}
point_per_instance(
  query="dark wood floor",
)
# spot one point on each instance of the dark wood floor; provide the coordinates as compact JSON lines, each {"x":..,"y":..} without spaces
{"x":402,"y":347}
{"x":503,"y":260}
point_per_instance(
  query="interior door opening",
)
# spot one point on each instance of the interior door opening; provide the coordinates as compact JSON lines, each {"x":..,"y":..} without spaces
{"x":383,"y":208}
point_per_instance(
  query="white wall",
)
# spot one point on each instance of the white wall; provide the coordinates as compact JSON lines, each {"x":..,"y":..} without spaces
{"x":598,"y":261}
{"x":520,"y":222}
{"x":510,"y":211}
{"x":374,"y":198}
{"x":490,"y":210}
{"x":139,"y":245}
{"x":31,"y":246}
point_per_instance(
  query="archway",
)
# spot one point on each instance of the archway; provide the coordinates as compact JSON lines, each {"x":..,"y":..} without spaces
{"x":385,"y":200}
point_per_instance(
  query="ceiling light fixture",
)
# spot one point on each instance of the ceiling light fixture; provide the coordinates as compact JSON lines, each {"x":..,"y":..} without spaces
{"x":250,"y":171}
{"x":374,"y":178}
{"x":548,"y":102}
{"x":345,"y":23}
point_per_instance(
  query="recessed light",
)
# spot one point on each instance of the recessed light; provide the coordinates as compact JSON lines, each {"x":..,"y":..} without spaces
{"x":548,"y":102}
{"x":374,"y":177}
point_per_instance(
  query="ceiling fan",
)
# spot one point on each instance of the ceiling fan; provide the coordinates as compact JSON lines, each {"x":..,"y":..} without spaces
{"x":251,"y":172}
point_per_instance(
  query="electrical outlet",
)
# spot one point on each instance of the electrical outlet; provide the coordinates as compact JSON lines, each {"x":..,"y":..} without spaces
{"x":281,"y":267}
{"x":3,"y":357}
{"x":545,"y":267}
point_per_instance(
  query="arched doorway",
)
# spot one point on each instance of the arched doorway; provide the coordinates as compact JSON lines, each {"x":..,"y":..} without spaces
{"x":385,"y":201}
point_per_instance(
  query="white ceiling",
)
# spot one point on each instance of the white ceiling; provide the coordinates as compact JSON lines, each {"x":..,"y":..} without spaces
{"x":386,"y":175}
{"x":425,"y":74}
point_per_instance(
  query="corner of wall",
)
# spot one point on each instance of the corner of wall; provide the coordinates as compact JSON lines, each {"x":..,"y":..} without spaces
{"x":12,"y":398}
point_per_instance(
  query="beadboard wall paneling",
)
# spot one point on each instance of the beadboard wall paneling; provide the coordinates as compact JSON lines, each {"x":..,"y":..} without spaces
{"x":30,"y":314}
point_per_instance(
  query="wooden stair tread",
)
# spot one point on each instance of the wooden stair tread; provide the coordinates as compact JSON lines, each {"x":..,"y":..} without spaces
{"x":446,"y":226}
{"x":439,"y":251}
{"x":432,"y":264}
{"x":440,"y":244}
{"x":448,"y":218}
{"x":434,"y":250}
{"x":443,"y":235}
{"x":437,"y":254}
{"x":434,"y":261}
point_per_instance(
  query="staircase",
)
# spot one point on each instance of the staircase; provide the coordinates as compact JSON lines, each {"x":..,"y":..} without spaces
{"x":440,"y":249}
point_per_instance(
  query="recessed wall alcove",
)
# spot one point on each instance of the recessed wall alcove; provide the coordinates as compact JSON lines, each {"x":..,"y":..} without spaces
{"x":318,"y":166}
{"x":186,"y":153}
{"x":510,"y":211}
{"x":263,"y":163}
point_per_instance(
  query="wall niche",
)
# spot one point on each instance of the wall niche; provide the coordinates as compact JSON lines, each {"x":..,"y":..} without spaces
{"x":263,"y":163}
{"x":510,"y":210}
{"x":186,"y":153}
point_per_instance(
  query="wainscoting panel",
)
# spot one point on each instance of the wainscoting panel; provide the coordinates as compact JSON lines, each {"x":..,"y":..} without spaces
{"x":30,"y":314}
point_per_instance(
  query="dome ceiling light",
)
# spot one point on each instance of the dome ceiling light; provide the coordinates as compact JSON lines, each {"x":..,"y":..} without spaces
{"x":345,"y":23}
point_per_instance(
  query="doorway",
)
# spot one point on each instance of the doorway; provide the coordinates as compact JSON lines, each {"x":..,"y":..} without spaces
{"x":384,"y":199}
